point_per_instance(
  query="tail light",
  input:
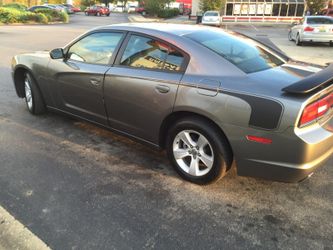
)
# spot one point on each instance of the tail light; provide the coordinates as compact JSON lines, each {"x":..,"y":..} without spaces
{"x":308,"y":28}
{"x":316,"y":110}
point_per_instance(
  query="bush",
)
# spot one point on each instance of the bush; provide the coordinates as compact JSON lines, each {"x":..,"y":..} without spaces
{"x":41,"y":18}
{"x":9,"y":15}
{"x":168,"y":13}
{"x":15,"y":6}
{"x":53,"y":15}
{"x":64,"y":17}
{"x":27,"y":16}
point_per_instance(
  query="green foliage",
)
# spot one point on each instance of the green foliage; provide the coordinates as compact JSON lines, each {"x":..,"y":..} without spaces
{"x":316,"y":6}
{"x":15,"y":6}
{"x":206,"y":5}
{"x":15,"y":15}
{"x":168,"y":13}
{"x":154,"y":7}
{"x":41,"y":18}
{"x":87,"y":3}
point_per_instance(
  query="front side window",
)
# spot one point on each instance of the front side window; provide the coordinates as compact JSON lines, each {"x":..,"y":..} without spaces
{"x":96,"y":48}
{"x":249,"y":57}
{"x":144,"y":52}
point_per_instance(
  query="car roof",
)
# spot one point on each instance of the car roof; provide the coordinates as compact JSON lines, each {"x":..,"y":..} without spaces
{"x":162,"y":28}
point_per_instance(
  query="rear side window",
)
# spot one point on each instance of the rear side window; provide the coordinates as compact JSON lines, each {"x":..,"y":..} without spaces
{"x":96,"y":48}
{"x":246,"y":56}
{"x":144,"y":52}
{"x":319,"y":20}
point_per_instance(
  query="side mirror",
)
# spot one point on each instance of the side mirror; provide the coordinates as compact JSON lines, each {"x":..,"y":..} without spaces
{"x":57,"y":53}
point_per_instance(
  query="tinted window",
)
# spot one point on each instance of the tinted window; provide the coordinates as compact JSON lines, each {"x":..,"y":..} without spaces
{"x":246,"y":56}
{"x":143,"y":52}
{"x":320,"y":20}
{"x":96,"y":48}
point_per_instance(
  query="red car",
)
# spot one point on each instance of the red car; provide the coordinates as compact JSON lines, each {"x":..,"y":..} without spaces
{"x":74,"y":9}
{"x":97,"y":11}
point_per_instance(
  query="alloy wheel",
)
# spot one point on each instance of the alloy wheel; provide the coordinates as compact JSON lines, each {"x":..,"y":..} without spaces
{"x":28,"y":93}
{"x":193,"y":153}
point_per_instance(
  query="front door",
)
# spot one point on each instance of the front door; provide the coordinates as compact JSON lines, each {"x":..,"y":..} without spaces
{"x":79,"y":78}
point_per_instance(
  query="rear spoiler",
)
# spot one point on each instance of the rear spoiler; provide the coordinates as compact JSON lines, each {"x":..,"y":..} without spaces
{"x":312,"y":82}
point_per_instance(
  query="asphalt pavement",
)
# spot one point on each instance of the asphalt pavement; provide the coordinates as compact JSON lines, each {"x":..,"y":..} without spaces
{"x":77,"y":186}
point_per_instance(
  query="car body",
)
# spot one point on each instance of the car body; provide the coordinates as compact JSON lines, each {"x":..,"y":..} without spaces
{"x":211,"y":18}
{"x":97,"y":10}
{"x":208,"y":96}
{"x":131,"y":8}
{"x":73,"y":8}
{"x":312,"y":29}
{"x":327,"y":12}
{"x":141,"y":10}
{"x":34,"y":8}
{"x":119,"y":8}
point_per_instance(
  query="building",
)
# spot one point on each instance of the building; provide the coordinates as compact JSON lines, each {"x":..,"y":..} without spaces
{"x":260,"y":10}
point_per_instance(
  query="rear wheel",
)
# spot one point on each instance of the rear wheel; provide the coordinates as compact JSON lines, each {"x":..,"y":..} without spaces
{"x":197,"y":151}
{"x":298,"y":40}
{"x":33,"y":97}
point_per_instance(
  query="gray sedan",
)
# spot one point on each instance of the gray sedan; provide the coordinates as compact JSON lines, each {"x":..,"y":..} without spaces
{"x":312,"y":29}
{"x":210,"y":98}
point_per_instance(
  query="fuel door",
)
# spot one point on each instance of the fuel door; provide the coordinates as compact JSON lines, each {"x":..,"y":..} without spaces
{"x":208,"y":87}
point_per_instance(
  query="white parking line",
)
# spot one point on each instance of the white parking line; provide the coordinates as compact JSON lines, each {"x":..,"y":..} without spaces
{"x":14,"y":235}
{"x":254,"y":27}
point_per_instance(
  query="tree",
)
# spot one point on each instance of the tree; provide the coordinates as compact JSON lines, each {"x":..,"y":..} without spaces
{"x":206,"y":5}
{"x":315,"y":6}
{"x":155,"y":6}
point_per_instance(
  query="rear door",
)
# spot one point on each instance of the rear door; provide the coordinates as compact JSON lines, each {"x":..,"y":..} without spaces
{"x":140,"y":89}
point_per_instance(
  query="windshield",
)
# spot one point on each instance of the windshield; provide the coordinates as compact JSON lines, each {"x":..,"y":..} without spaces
{"x":246,"y":56}
{"x":320,"y":20}
{"x":211,"y":14}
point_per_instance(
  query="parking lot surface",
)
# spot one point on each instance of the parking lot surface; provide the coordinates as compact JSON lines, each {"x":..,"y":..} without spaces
{"x":77,"y":186}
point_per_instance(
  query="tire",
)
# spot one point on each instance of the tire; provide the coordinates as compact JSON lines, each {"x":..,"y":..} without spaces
{"x":108,"y":14}
{"x":98,"y":14}
{"x":298,"y":40}
{"x":290,"y":38}
{"x":204,"y":156}
{"x":33,"y":97}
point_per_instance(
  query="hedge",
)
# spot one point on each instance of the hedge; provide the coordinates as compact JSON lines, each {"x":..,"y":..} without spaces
{"x":167,"y":13}
{"x":17,"y":15}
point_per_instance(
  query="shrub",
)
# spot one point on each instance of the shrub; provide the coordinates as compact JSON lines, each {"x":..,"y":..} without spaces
{"x":64,"y":17}
{"x":41,"y":18}
{"x":15,"y":6}
{"x":167,"y":13}
{"x":9,"y":15}
{"x":27,"y":16}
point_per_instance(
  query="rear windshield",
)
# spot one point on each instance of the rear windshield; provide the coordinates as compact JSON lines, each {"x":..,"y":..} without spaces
{"x":319,"y":20}
{"x":211,"y":14}
{"x":246,"y":56}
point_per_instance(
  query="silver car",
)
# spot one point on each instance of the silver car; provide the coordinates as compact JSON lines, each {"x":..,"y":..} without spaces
{"x":312,"y":29}
{"x":211,"y":18}
{"x":210,"y":98}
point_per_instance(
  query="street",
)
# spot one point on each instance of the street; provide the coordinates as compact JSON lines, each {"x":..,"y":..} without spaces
{"x":78,"y":186}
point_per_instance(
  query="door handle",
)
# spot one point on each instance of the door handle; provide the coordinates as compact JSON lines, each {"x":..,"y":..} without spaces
{"x":162,"y":89}
{"x":95,"y":81}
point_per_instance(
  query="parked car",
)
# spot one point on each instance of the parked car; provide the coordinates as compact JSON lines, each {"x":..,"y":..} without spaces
{"x":97,"y":10}
{"x":57,"y":7}
{"x":211,"y":18}
{"x":119,"y":8}
{"x":207,"y":96}
{"x":327,"y":12}
{"x":312,"y":29}
{"x":68,"y":10}
{"x":34,"y":8}
{"x":73,"y":8}
{"x":131,"y":9}
{"x":141,"y":10}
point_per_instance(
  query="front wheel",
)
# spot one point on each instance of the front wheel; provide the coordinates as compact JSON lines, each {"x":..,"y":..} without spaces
{"x":290,"y":38}
{"x":298,"y":40}
{"x":33,"y":97}
{"x":198,"y":152}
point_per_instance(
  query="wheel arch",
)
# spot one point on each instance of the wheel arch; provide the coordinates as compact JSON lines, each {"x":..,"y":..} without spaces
{"x":175,"y":116}
{"x":18,"y":77}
